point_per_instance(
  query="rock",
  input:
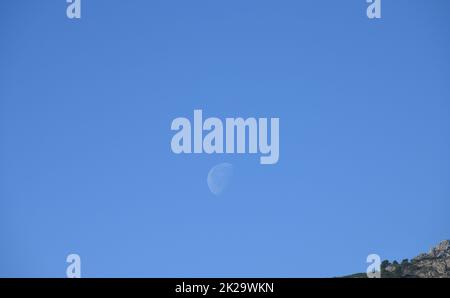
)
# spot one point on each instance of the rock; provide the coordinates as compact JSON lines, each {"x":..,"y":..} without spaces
{"x":390,"y":268}
{"x":435,"y":264}
{"x":431,"y":265}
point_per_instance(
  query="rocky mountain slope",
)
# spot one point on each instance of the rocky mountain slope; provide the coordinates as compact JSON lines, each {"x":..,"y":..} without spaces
{"x":434,"y":264}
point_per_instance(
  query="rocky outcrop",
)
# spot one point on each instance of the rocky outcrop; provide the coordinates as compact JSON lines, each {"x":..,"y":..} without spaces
{"x":434,"y":264}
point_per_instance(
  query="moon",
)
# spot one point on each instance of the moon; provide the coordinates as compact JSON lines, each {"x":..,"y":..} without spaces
{"x":219,"y":178}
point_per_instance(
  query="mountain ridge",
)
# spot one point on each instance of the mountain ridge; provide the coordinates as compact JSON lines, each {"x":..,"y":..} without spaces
{"x":434,"y":264}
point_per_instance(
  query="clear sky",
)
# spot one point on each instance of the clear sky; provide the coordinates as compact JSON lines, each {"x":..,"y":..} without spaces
{"x":86,"y":107}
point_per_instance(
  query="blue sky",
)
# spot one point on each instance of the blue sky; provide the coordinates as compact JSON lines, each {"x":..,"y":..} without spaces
{"x":86,"y":107}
